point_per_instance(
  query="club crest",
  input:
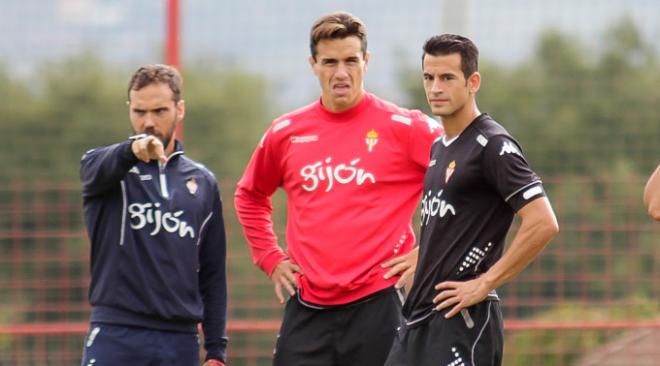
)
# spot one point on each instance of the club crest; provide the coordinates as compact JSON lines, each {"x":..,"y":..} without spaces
{"x":371,"y":140}
{"x":191,"y":184}
{"x":450,"y":170}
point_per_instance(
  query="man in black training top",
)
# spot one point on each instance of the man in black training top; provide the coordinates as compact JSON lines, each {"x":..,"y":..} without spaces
{"x":477,"y":179}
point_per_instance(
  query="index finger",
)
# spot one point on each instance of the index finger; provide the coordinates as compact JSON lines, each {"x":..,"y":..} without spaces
{"x":393,"y":261}
{"x":278,"y":293}
{"x":446,"y":284}
{"x":158,"y":149}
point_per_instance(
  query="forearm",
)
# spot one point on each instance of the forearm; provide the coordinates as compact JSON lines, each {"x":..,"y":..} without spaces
{"x":534,"y":234}
{"x":255,"y":215}
{"x":652,"y":195}
{"x":213,"y":286}
{"x":104,"y":167}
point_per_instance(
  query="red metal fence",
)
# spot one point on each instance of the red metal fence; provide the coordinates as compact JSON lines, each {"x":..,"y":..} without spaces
{"x":592,"y":298}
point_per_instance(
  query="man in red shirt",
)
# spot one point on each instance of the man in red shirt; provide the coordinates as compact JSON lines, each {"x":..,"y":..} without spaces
{"x":352,"y":166}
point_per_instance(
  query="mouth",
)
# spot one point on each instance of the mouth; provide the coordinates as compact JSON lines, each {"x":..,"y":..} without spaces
{"x":438,"y":101}
{"x":341,"y":88}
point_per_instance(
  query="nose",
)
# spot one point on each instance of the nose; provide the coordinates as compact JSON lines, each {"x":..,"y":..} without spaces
{"x":149,"y":121}
{"x":342,"y":71}
{"x":436,"y":87}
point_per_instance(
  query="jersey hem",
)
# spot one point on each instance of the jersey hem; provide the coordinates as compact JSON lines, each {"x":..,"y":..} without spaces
{"x":110,"y":315}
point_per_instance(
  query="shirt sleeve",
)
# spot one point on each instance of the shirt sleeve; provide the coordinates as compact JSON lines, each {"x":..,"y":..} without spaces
{"x":102,"y":168}
{"x":213,"y":282}
{"x":424,"y":131}
{"x":507,"y":171}
{"x":254,"y":208}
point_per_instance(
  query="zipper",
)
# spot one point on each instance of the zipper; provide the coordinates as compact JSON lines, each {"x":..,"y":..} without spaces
{"x":122,"y":230}
{"x":163,"y":180}
{"x":162,"y":177}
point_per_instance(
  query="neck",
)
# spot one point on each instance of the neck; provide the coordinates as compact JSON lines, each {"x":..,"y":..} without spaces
{"x":169,"y":149}
{"x":456,"y":123}
{"x":338,"y":108}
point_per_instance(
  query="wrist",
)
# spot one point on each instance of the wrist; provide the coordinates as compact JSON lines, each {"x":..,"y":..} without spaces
{"x":487,"y":282}
{"x":133,"y":139}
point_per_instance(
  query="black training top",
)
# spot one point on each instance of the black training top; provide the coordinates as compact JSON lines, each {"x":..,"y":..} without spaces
{"x":472,"y":188}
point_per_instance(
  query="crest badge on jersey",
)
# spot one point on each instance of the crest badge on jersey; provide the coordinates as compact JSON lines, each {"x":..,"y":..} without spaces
{"x":450,"y":170}
{"x":191,"y":184}
{"x":371,"y":140}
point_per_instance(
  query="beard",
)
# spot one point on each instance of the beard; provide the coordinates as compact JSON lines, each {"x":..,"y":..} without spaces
{"x":165,"y":138}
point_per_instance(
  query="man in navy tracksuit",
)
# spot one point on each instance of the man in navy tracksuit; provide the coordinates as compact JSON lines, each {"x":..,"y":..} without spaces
{"x":154,"y":218}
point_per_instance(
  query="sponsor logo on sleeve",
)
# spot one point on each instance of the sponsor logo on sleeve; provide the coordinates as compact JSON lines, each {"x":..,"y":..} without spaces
{"x":371,"y":140}
{"x":509,"y":147}
{"x":304,"y":139}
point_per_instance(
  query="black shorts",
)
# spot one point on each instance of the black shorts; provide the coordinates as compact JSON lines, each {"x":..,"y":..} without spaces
{"x":356,"y":334}
{"x":473,"y":337}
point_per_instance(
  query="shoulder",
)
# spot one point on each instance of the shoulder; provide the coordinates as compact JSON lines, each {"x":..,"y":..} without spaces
{"x":489,"y":128}
{"x":400,"y":116}
{"x":293,"y":117}
{"x":495,"y":139}
{"x":188,"y":164}
{"x":282,"y":126}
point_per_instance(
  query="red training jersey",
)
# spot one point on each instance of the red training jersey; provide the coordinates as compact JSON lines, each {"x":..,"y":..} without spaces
{"x":353,"y":180}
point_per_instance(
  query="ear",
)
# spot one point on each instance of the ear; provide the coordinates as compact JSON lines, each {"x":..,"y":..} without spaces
{"x":367,"y":56}
{"x":474,"y":82}
{"x":312,"y":64}
{"x":180,"y":109}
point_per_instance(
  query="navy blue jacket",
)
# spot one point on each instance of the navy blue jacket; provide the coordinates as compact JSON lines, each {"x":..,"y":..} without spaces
{"x":158,"y":243}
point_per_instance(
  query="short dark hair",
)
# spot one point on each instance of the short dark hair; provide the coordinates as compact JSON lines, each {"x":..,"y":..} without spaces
{"x":337,"y":25}
{"x":157,"y":73}
{"x":446,"y":44}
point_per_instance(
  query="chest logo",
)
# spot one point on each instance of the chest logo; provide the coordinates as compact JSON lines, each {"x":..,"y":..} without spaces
{"x":191,"y":184}
{"x":434,"y":206}
{"x":450,"y":170}
{"x":371,"y":140}
{"x":150,"y":214}
{"x":329,"y":173}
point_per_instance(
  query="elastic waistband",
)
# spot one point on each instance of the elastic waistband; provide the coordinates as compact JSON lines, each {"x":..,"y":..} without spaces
{"x":370,"y":297}
{"x":492,"y":296}
{"x":110,"y":315}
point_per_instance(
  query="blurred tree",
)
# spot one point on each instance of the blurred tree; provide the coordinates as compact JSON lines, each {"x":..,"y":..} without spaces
{"x":79,"y":103}
{"x":572,"y":114}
